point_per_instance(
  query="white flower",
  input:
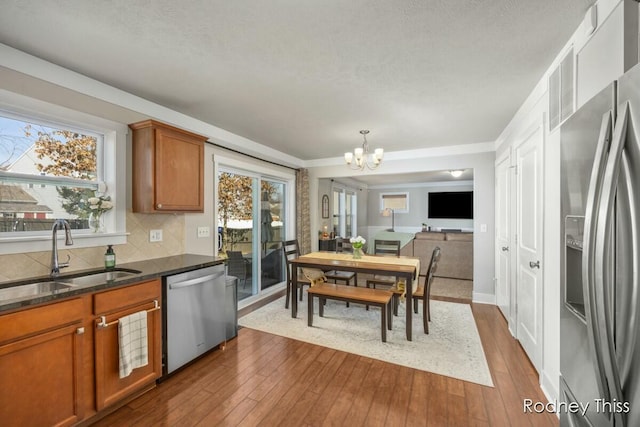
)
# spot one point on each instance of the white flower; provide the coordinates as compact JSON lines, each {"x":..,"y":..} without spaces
{"x":357,"y":242}
{"x":99,"y":205}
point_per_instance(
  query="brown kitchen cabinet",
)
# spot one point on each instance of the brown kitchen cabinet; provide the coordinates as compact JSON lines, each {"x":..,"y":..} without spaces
{"x":41,"y":369}
{"x":168,"y":169}
{"x":112,"y":305}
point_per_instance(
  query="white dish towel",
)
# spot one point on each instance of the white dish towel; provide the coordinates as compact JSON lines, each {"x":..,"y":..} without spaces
{"x":132,"y":339}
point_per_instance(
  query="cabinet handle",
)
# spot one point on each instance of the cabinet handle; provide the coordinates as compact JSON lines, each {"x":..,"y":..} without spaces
{"x":159,"y":206}
{"x":505,"y":249}
{"x":534,"y":264}
{"x":80,"y":331}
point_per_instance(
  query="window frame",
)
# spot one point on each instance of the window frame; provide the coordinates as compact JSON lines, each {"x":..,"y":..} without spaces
{"x":343,"y":193}
{"x":230,"y":162}
{"x":110,"y":165}
{"x":397,"y":193}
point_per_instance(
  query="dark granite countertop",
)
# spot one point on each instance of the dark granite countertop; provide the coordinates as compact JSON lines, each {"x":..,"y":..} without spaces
{"x":148,"y":269}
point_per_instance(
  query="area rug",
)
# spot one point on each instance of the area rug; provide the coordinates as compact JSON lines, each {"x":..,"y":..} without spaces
{"x":451,"y":348}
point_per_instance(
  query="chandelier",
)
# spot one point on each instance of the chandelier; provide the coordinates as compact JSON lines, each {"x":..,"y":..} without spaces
{"x":362,"y":157}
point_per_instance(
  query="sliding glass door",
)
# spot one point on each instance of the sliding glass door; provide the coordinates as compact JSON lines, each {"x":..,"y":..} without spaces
{"x":251,"y":217}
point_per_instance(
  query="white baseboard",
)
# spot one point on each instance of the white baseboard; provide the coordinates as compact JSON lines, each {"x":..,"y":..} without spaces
{"x":549,"y":387}
{"x":484,"y":298}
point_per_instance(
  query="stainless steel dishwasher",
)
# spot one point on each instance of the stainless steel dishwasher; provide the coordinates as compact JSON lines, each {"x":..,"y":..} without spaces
{"x":196,"y":315}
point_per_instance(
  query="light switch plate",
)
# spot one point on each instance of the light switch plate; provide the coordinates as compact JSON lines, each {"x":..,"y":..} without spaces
{"x":203,"y":232}
{"x":483,"y":228}
{"x":155,"y":235}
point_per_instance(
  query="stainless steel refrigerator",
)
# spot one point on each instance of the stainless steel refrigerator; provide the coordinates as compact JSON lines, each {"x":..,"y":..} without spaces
{"x":600,"y":261}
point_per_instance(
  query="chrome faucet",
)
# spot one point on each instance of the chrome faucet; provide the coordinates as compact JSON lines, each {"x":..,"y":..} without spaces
{"x":55,"y":265}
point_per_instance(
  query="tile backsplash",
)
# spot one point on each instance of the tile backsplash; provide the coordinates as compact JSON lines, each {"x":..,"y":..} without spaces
{"x":137,"y":248}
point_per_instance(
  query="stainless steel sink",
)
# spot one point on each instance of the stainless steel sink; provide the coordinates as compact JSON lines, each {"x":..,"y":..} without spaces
{"x":33,"y":290}
{"x":63,"y":284}
{"x":99,"y":278}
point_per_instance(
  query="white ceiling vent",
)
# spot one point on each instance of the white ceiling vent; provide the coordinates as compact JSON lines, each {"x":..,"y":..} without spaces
{"x":561,"y":93}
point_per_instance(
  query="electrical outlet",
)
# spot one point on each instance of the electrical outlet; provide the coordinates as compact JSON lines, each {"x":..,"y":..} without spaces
{"x":155,"y":235}
{"x":203,"y":232}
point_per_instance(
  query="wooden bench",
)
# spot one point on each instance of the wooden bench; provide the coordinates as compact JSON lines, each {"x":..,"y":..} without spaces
{"x":375,"y":297}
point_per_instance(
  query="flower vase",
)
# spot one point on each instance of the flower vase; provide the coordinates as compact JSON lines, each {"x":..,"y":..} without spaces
{"x":357,"y":253}
{"x":96,"y":222}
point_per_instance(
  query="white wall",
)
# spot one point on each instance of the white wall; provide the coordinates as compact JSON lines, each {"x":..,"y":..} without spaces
{"x":418,"y":202}
{"x":214,"y":158}
{"x":600,"y":64}
{"x":482,"y":162}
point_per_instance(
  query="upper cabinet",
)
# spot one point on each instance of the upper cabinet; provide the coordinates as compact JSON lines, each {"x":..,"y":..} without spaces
{"x":168,"y":169}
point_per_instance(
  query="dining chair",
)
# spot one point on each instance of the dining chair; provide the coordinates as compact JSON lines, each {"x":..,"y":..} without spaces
{"x":384,"y":248}
{"x":237,"y":266}
{"x":342,"y":245}
{"x":423,"y":293}
{"x":291,"y":250}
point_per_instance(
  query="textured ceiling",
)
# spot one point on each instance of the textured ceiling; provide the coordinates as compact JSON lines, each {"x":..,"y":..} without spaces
{"x":304,"y":77}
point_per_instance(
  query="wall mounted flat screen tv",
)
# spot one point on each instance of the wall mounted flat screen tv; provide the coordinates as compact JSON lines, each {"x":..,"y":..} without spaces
{"x":451,"y":205}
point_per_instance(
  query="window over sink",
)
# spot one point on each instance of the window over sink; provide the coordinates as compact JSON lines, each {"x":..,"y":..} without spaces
{"x":58,"y":163}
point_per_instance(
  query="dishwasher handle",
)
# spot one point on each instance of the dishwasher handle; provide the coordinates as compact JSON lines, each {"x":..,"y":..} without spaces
{"x":196,"y":281}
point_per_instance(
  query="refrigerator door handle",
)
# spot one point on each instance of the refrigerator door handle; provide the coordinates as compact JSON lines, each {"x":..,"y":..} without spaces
{"x":603,"y":240}
{"x":588,"y":250}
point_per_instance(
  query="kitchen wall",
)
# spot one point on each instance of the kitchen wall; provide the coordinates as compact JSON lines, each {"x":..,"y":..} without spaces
{"x":32,"y":77}
{"x":216,"y":157}
{"x":138,"y":247}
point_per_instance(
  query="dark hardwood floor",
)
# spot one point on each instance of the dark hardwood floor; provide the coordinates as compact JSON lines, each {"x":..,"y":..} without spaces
{"x":267,"y":380}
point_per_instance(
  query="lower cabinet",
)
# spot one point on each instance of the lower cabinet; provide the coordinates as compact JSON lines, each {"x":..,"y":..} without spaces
{"x":109,"y":307}
{"x":53,"y":366}
{"x":41,"y":365}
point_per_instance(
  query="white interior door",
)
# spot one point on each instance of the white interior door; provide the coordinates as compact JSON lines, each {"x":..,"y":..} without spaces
{"x":503,"y":235}
{"x":529,"y":157}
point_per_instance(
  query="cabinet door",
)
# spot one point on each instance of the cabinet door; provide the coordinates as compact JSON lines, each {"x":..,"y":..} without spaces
{"x":41,"y":365}
{"x":110,"y":388}
{"x":179,"y":173}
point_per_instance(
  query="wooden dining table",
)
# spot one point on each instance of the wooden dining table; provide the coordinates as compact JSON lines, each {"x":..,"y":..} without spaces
{"x":401,"y":267}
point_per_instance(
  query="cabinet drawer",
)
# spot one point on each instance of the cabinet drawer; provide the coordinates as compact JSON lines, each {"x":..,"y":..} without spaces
{"x":36,"y":320}
{"x":121,"y":298}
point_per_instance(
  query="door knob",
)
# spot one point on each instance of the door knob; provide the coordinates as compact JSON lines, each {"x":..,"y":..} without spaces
{"x":534,"y":264}
{"x":505,"y":249}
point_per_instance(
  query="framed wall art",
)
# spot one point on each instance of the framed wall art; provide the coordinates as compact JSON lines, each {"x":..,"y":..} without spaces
{"x":325,"y":206}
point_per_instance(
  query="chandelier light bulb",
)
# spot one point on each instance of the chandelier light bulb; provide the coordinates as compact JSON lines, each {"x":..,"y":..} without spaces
{"x":348,"y":157}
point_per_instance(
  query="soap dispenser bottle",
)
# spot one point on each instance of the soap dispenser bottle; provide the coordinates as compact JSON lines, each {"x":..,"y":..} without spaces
{"x":109,"y":258}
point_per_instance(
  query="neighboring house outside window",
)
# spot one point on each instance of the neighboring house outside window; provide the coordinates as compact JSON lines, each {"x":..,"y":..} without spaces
{"x":34,"y":153}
